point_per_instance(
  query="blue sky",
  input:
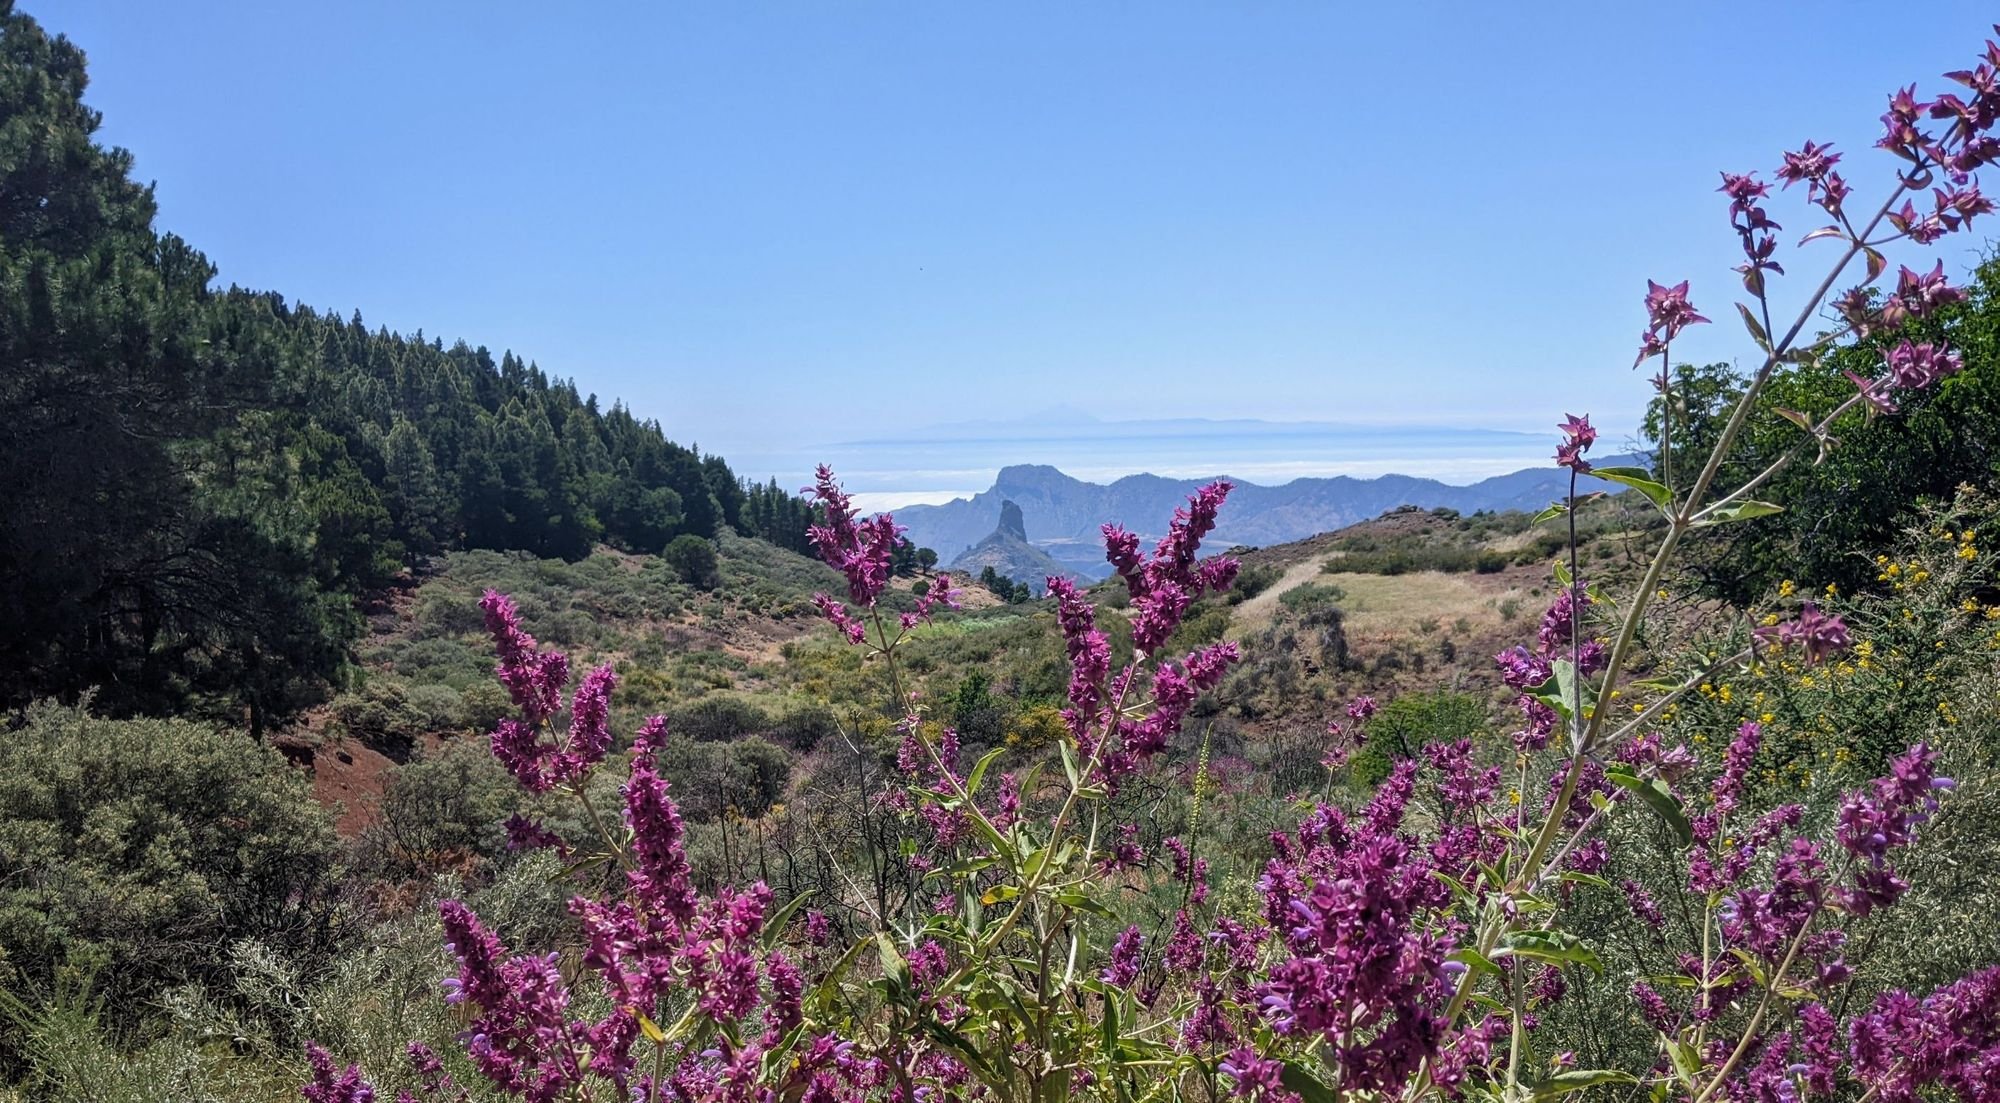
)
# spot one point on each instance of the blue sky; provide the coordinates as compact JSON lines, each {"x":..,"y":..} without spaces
{"x":777,"y":224}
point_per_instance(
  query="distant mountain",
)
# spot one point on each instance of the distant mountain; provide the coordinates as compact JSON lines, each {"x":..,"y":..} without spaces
{"x":1067,"y":512}
{"x":1007,"y":550}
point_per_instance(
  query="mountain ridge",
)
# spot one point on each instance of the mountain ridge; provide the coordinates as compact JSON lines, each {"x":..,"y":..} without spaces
{"x":1066,"y":512}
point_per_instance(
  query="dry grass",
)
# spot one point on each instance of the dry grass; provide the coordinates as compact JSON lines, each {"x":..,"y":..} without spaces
{"x":1258,"y":612}
{"x":1397,"y":605}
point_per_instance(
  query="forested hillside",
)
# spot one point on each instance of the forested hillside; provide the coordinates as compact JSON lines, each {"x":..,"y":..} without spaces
{"x":200,"y":483}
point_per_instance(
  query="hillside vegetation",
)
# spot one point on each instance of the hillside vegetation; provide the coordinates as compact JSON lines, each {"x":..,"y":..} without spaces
{"x":382,"y":716}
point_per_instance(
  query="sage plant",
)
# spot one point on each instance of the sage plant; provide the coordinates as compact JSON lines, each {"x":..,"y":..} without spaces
{"x":1405,"y":948}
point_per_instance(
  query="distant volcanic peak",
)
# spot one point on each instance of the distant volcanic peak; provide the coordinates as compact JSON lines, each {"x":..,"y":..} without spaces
{"x":1006,"y":549}
{"x":1011,"y":522}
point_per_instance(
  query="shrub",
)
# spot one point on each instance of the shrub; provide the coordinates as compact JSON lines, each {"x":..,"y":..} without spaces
{"x":1311,"y":597}
{"x":979,"y":717}
{"x":717,"y":780}
{"x":381,"y":715}
{"x":441,"y":812}
{"x":721,"y":717}
{"x":1253,"y":580}
{"x":133,"y":849}
{"x":693,"y":559}
{"x":803,"y":726}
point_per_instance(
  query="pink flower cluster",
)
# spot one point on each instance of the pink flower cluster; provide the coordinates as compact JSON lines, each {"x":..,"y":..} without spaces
{"x":535,"y":680}
{"x":860,"y":549}
{"x":1364,"y":972}
{"x":657,"y":939}
{"x":1529,"y":671}
{"x":864,"y":550}
{"x":1819,"y":635}
{"x":1162,"y":587}
{"x":1668,"y":311}
{"x":1578,"y":436}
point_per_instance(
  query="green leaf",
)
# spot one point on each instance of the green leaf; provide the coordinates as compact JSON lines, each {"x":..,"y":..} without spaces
{"x":1082,"y":903}
{"x":1107,"y":1027}
{"x":966,"y":866}
{"x":1069,"y":761}
{"x":1571,"y":693}
{"x":893,"y":965}
{"x":1473,"y":959}
{"x":1795,"y":417}
{"x":1034,"y":862}
{"x":1457,"y":890}
{"x":1740,"y":511}
{"x":994,"y":839}
{"x":967,"y":1052}
{"x":775,"y":926}
{"x":1750,"y":323}
{"x":1657,"y":797}
{"x":1556,"y":509}
{"x":652,"y":1030}
{"x":1576,"y":1080}
{"x":1300,"y":1080}
{"x":1686,"y":1062}
{"x":831,"y":981}
{"x":979,"y":771}
{"x":1566,"y":680}
{"x":1639,"y":479}
{"x":575,"y":868}
{"x":1556,"y":947}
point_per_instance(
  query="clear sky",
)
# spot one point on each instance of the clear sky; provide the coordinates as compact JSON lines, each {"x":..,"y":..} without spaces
{"x":792,"y":222}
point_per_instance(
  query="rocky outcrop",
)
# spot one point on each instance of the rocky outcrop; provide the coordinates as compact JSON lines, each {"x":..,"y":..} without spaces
{"x":1007,"y":550}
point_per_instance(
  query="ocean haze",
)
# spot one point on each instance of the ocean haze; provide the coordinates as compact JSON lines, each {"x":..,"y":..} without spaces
{"x":937,"y":464}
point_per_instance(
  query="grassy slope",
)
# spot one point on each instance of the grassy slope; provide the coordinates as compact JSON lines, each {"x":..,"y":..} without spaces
{"x":757,"y":640}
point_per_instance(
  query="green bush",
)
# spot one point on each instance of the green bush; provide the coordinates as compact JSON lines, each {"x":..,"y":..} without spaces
{"x":1311,"y":596}
{"x":714,"y":780}
{"x":803,"y":727}
{"x":1253,"y":580}
{"x":1406,"y":724}
{"x":382,"y":715}
{"x":720,"y":717}
{"x":133,"y":849}
{"x":694,"y":560}
{"x":441,"y":812}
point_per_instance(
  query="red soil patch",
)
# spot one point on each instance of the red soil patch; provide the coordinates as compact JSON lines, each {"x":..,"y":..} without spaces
{"x":347,"y":779}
